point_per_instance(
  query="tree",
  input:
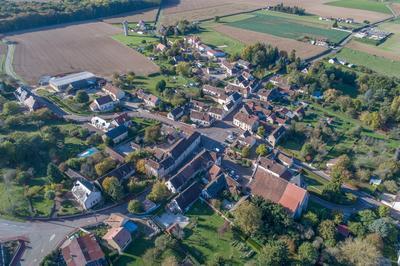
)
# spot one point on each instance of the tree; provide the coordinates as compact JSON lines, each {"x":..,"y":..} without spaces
{"x":246,"y":152}
{"x":375,"y":240}
{"x":170,"y":261}
{"x":383,"y":211}
{"x":11,"y":108}
{"x":53,"y":173}
{"x":261,"y":131}
{"x":310,"y":219}
{"x":307,"y":254}
{"x":327,"y":230}
{"x":151,"y":256}
{"x":248,"y":217}
{"x":23,"y":177}
{"x":82,"y":97}
{"x":261,"y":150}
{"x":161,"y":85}
{"x":384,"y":227}
{"x":358,"y":252}
{"x":371,"y":119}
{"x":159,"y":192}
{"x":104,"y":166}
{"x":274,"y":253}
{"x":135,"y":206}
{"x":113,"y":188}
{"x":335,"y":24}
{"x":152,"y":134}
{"x":183,"y":69}
{"x":50,"y":194}
{"x":141,"y":166}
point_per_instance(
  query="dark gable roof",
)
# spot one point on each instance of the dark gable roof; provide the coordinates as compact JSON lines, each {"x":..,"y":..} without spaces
{"x":183,"y":145}
{"x":216,"y":186}
{"x":235,"y":96}
{"x":89,"y":185}
{"x":122,"y":171}
{"x":177,"y":111}
{"x":199,"y":163}
{"x":279,"y":131}
{"x":275,"y":167}
{"x":188,"y":196}
{"x":104,"y":100}
{"x":115,"y":132}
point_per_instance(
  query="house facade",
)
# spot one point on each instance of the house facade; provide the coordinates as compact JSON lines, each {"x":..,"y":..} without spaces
{"x":86,"y":194}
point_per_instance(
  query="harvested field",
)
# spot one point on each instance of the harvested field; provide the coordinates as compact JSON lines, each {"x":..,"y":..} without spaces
{"x":193,"y":10}
{"x":75,"y":47}
{"x":304,"y":50}
{"x":147,"y":15}
{"x":373,"y":50}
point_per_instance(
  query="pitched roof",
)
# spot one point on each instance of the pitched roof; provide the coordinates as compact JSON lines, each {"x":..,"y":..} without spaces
{"x":176,"y":111}
{"x":200,"y":116}
{"x":119,"y":235}
{"x":199,"y":163}
{"x":278,"y":132}
{"x":215,"y":186}
{"x":277,"y":190}
{"x":115,"y":220}
{"x":214,"y":171}
{"x":82,"y":250}
{"x":188,"y":196}
{"x":122,"y":171}
{"x":292,"y":197}
{"x":274,"y":167}
{"x":104,"y":100}
{"x":112,"y":89}
{"x":247,"y":119}
{"x":117,"y":131}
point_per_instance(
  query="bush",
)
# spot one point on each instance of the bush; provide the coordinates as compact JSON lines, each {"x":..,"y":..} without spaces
{"x":135,"y":206}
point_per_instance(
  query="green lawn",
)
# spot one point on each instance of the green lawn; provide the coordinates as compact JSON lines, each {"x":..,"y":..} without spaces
{"x":314,"y":183}
{"x":216,"y":39}
{"x":370,"y":5}
{"x":203,"y":241}
{"x":288,"y":27}
{"x":133,"y":254}
{"x":379,"y":64}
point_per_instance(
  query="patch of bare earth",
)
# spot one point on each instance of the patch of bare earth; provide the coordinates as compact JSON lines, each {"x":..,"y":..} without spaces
{"x":304,"y":50}
{"x":373,"y":50}
{"x":145,"y":15}
{"x":77,"y":47}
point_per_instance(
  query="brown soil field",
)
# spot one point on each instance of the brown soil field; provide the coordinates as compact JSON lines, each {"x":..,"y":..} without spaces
{"x":304,"y":50}
{"x":396,"y":8}
{"x":373,"y":50}
{"x":76,"y":47}
{"x":148,"y":15}
{"x":193,"y":10}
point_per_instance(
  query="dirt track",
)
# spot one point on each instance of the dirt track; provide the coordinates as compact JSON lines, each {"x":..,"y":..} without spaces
{"x":72,"y":48}
{"x":304,"y":50}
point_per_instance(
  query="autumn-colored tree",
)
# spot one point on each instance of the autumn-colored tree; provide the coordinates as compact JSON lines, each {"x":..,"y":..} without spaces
{"x":248,"y":217}
{"x":159,"y":192}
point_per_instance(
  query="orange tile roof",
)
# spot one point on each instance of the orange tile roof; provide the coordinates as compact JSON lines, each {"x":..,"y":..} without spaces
{"x":292,"y":197}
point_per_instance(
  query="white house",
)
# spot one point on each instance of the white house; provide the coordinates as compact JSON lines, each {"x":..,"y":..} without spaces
{"x":103,"y":104}
{"x":100,"y":123}
{"x":86,"y":194}
{"x":114,"y":92}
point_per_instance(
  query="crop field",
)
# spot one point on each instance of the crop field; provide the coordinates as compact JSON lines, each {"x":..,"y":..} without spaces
{"x":286,"y":27}
{"x":75,"y":47}
{"x":370,"y":5}
{"x":392,"y":43}
{"x":147,"y":15}
{"x":374,"y":50}
{"x":304,"y":50}
{"x":193,"y":10}
{"x":377,"y":63}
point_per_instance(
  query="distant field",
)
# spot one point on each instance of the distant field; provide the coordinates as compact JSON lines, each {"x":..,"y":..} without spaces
{"x":77,"y":47}
{"x":290,"y":28}
{"x":369,"y":5}
{"x":304,"y":50}
{"x":392,"y":44}
{"x":377,"y":63}
{"x":147,"y":15}
{"x":225,"y":42}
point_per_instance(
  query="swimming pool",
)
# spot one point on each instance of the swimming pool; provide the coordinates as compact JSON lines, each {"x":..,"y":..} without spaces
{"x":88,"y":152}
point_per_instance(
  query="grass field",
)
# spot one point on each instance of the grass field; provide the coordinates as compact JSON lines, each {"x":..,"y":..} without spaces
{"x":214,"y":38}
{"x":379,"y":64}
{"x":392,"y":43}
{"x":287,"y":27}
{"x":369,"y":5}
{"x":204,"y":242}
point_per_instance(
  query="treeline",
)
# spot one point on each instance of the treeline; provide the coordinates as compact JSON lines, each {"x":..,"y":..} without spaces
{"x":288,"y":9}
{"x":16,"y":16}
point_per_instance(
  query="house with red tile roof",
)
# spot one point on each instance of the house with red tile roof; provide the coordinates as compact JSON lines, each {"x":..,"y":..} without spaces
{"x":83,"y":250}
{"x":293,"y":198}
{"x":118,"y":238}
